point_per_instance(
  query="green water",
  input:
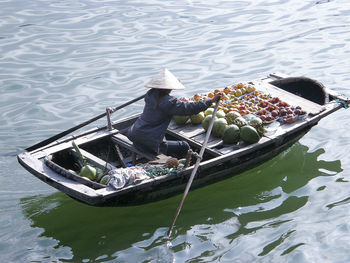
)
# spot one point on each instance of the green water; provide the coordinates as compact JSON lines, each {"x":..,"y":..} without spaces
{"x":63,"y":62}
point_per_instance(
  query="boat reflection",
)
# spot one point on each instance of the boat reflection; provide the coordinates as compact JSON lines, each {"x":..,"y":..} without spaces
{"x":265,"y":192}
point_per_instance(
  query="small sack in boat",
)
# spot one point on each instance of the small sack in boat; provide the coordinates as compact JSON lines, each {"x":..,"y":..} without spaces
{"x":126,"y":176}
{"x":135,"y":174}
{"x":117,"y":180}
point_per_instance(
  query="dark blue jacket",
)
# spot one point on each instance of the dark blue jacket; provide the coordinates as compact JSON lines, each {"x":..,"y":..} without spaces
{"x":148,"y":132}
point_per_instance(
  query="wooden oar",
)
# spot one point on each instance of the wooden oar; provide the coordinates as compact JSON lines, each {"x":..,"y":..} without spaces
{"x":195,"y":168}
{"x":64,"y":133}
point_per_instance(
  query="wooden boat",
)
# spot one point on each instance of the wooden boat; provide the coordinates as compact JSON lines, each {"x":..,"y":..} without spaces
{"x":107,"y":148}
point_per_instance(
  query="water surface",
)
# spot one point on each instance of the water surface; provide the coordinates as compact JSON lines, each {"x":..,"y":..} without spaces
{"x":63,"y":62}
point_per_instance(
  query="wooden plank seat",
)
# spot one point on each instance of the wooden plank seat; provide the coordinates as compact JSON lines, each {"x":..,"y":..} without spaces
{"x":123,"y":141}
{"x":188,"y":130}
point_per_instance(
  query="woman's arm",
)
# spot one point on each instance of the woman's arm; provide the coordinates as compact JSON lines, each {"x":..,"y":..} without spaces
{"x":173,"y":106}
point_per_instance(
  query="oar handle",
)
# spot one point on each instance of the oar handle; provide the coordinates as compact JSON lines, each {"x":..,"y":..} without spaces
{"x":64,"y":133}
{"x":195,"y":168}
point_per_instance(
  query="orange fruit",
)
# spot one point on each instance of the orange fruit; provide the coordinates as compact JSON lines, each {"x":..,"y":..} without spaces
{"x":238,"y":93}
{"x":250,"y":88}
{"x":239,"y":85}
{"x":225,"y":97}
{"x":227,"y":90}
{"x":197,"y":97}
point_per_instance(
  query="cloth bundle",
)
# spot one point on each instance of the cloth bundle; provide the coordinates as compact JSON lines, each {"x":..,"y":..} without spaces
{"x":122,"y":177}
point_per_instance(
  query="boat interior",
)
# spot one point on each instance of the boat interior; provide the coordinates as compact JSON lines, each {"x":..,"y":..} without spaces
{"x":115,"y":150}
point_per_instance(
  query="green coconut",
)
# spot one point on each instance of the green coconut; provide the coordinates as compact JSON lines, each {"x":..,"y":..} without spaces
{"x":231,"y":116}
{"x":220,"y":114}
{"x":180,"y":120}
{"x":249,"y":134}
{"x":197,"y":118}
{"x":255,"y":122}
{"x":219,"y":127}
{"x":208,"y":111}
{"x":206,"y":121}
{"x":104,"y":180}
{"x":231,"y":134}
{"x":240,"y":122}
{"x":88,"y":172}
{"x":99,"y":174}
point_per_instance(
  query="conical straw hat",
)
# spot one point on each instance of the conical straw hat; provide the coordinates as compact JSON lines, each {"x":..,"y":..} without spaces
{"x":164,"y":80}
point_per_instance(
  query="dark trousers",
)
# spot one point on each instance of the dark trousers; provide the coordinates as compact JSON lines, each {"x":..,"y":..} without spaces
{"x":176,"y":149}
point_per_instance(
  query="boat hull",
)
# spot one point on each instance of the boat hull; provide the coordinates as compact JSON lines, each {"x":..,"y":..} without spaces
{"x":214,"y":174}
{"x":51,"y":163}
{"x":163,"y":188}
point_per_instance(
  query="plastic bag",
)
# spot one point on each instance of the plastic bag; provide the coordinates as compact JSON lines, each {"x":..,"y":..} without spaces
{"x":125,"y":176}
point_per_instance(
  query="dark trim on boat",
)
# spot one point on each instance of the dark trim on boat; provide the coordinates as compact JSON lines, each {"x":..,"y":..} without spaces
{"x":110,"y":149}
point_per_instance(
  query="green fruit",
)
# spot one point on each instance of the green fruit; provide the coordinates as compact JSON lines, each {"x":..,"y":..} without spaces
{"x":197,"y":118}
{"x":261,"y":130}
{"x":240,"y":121}
{"x":255,"y":122}
{"x":99,"y":174}
{"x":180,"y":120}
{"x":249,"y":134}
{"x":105,"y":179}
{"x":72,"y":171}
{"x":231,"y":116}
{"x":208,"y":111}
{"x":219,"y":127}
{"x":206,"y":121}
{"x":231,"y":134}
{"x":220,"y":114}
{"x":182,"y":161}
{"x":88,"y":172}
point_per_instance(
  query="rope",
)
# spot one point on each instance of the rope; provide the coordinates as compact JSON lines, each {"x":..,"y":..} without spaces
{"x":345,"y":105}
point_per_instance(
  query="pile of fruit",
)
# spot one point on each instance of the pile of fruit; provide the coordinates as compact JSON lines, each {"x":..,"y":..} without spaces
{"x":242,"y":113}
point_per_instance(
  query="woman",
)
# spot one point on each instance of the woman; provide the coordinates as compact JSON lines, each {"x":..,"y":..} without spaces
{"x":147,"y":133}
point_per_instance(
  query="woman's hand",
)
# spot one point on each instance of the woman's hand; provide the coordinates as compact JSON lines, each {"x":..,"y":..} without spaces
{"x":217,"y":96}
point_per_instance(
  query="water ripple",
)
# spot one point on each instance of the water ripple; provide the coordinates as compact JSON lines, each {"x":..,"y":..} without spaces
{"x":63,"y":62}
